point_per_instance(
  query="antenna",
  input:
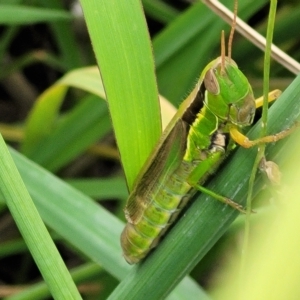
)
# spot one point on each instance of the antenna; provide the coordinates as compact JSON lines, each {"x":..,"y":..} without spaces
{"x":232,"y":29}
{"x":223,"y":52}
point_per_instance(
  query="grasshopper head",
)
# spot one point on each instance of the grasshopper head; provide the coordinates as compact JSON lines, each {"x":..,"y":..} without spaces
{"x":229,"y":95}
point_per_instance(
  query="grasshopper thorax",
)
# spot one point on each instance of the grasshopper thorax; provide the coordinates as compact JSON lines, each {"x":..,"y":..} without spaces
{"x":228,"y":93}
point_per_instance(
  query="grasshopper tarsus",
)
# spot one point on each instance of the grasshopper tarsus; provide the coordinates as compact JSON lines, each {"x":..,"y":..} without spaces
{"x":235,"y":205}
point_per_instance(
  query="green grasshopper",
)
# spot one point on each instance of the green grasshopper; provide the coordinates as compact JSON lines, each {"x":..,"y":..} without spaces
{"x":200,"y":136}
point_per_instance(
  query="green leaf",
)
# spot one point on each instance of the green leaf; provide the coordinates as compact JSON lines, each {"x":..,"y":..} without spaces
{"x":160,"y":10}
{"x":22,"y":15}
{"x":89,"y":120}
{"x":122,"y":46}
{"x":82,"y":127}
{"x":33,"y":230}
{"x":101,"y":188}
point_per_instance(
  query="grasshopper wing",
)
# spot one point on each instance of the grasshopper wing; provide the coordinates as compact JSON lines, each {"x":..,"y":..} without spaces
{"x":165,"y":158}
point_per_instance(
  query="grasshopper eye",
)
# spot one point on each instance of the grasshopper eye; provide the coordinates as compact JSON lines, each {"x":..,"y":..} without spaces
{"x":211,"y":83}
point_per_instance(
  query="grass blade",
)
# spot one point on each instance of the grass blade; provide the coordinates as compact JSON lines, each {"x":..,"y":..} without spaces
{"x":33,"y":230}
{"x":127,"y":71}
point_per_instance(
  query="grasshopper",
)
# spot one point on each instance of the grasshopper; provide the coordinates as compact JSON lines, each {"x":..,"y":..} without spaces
{"x":206,"y":127}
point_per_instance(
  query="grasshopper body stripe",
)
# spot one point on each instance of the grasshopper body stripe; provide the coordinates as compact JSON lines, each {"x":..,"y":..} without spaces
{"x":190,"y":114}
{"x":192,"y":147}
